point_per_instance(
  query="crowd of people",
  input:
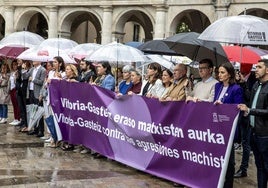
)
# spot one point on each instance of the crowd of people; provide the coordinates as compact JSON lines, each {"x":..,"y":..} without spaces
{"x":28,"y":83}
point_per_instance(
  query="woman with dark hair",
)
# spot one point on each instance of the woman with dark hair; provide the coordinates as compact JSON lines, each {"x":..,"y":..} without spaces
{"x":167,"y":77}
{"x":58,"y":70}
{"x":228,"y":92}
{"x":153,"y":87}
{"x":105,"y":77}
{"x":13,"y":91}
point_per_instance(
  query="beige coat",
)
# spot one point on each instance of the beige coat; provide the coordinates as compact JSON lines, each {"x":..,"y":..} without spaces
{"x":177,"y":91}
{"x":4,"y":89}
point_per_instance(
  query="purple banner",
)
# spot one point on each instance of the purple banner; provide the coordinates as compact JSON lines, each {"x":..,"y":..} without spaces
{"x":184,"y":143}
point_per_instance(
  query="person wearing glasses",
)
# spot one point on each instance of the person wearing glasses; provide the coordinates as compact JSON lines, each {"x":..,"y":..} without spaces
{"x":179,"y":87}
{"x":204,"y":90}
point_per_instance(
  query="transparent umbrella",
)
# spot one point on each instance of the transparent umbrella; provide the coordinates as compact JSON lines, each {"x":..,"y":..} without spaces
{"x":117,"y":54}
{"x":34,"y":54}
{"x":22,"y":38}
{"x":242,"y":29}
{"x":82,"y":50}
{"x":58,"y":43}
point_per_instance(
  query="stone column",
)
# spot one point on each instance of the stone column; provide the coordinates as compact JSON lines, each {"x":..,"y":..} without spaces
{"x":53,"y":22}
{"x":221,"y":8}
{"x":107,"y":25}
{"x":9,"y":20}
{"x":160,"y":22}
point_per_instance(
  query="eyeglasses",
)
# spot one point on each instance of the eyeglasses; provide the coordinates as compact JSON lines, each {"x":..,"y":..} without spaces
{"x":203,"y":68}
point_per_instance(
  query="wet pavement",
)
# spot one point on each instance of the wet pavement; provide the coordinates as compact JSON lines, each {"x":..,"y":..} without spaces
{"x":25,"y":161}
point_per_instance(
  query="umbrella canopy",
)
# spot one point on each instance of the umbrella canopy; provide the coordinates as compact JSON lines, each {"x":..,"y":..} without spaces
{"x":156,"y":47}
{"x":260,"y":52}
{"x":134,"y":44}
{"x":188,"y":44}
{"x":58,"y":43}
{"x":23,"y":38}
{"x":117,"y":54}
{"x":82,"y":50}
{"x":241,"y":54}
{"x":34,"y":54}
{"x":12,"y":51}
{"x":242,"y":29}
{"x":161,"y":60}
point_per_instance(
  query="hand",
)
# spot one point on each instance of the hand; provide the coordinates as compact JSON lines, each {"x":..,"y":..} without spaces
{"x":40,"y":98}
{"x":217,"y":102}
{"x":242,"y":107}
{"x":58,"y":74}
{"x":30,"y":78}
{"x":130,"y":93}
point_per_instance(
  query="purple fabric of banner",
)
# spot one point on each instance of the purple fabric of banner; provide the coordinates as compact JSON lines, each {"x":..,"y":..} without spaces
{"x":178,"y":141}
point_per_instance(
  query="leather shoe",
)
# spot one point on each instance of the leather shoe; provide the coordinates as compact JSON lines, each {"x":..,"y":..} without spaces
{"x":40,"y":134}
{"x":32,"y":132}
{"x":240,"y":174}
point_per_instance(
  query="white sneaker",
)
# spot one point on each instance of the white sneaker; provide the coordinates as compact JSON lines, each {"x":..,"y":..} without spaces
{"x":12,"y":123}
{"x":3,"y":121}
{"x":44,"y":137}
{"x":48,"y":140}
{"x":84,"y":151}
{"x":15,"y":122}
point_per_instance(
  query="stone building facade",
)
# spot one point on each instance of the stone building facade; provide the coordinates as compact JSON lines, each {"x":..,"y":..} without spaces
{"x":104,"y":21}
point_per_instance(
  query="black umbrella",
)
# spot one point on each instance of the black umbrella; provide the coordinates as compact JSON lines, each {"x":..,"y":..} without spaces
{"x":156,"y":47}
{"x":189,"y":45}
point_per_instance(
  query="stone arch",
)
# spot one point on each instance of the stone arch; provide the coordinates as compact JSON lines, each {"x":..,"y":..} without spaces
{"x":74,"y":18}
{"x":2,"y":26}
{"x":136,"y":15}
{"x":256,"y":12}
{"x":25,"y":17}
{"x":189,"y":17}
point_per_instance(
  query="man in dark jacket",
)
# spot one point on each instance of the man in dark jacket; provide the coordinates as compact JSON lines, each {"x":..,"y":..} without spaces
{"x":258,"y":115}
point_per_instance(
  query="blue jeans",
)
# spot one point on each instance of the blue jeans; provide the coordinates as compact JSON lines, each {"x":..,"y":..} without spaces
{"x":260,"y":151}
{"x":3,"y":110}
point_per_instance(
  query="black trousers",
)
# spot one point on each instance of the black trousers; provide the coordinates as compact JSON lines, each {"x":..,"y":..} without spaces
{"x":21,"y":98}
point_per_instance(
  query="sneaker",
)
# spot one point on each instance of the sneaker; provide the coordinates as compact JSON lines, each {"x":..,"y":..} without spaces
{"x":78,"y":148}
{"x":3,"y":121}
{"x":237,"y":146}
{"x":15,"y":122}
{"x":12,"y":123}
{"x":84,"y":151}
{"x":48,"y":140}
{"x":44,"y":137}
